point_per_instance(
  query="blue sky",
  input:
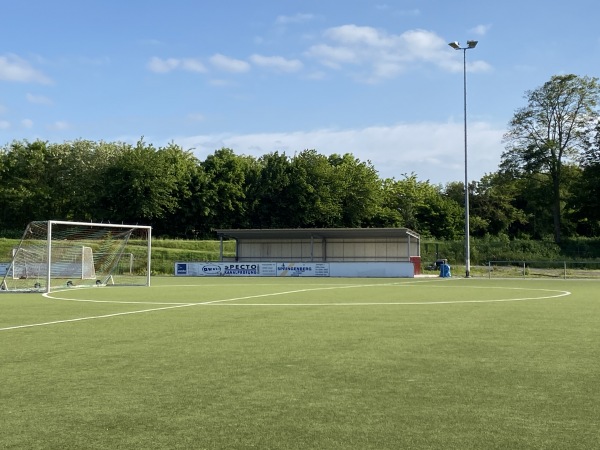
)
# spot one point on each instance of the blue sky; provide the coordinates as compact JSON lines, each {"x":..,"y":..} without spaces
{"x":373,"y":78}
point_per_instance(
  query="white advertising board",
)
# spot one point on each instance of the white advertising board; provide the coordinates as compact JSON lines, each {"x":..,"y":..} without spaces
{"x":296,"y":269}
{"x":373,"y":270}
{"x":210,"y":269}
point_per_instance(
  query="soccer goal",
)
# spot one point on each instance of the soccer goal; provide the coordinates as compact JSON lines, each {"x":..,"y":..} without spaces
{"x":58,"y":254}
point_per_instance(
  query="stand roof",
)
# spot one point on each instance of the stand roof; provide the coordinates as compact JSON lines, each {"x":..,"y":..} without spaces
{"x":318,"y":233}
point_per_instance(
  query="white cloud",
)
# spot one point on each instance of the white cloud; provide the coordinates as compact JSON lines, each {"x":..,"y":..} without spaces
{"x":4,"y":124}
{"x":38,"y":99}
{"x":228,"y":64}
{"x":27,"y":123}
{"x":372,"y":55}
{"x":14,"y":68}
{"x":159,"y":65}
{"x":192,"y":65}
{"x":353,"y":34}
{"x":333,"y":57}
{"x":367,"y":54}
{"x":481,"y":30}
{"x":277,"y":63}
{"x":434,"y":151}
{"x":478,"y":66}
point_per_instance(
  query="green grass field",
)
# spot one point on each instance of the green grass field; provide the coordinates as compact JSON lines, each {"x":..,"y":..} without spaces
{"x":303,"y":363}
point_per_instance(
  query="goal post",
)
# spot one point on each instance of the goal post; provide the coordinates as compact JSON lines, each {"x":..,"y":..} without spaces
{"x":58,"y":254}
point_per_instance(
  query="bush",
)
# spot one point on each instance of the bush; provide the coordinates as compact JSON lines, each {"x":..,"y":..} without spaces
{"x":493,"y":248}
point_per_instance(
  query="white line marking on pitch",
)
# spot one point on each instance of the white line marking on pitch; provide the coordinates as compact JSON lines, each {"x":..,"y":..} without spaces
{"x":79,"y":319}
{"x":223,"y":301}
{"x":105,"y":316}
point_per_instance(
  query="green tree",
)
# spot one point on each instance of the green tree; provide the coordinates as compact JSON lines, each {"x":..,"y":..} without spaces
{"x":549,"y":132}
{"x":456,"y":191}
{"x":585,"y":202}
{"x":227,"y":189}
{"x":315,"y":204}
{"x":386,"y":214}
{"x":313,"y":190}
{"x":189,"y":191}
{"x":492,"y":210}
{"x":423,"y":207}
{"x":533,"y":196}
{"x":75,"y":168}
{"x":357,"y":187}
{"x":270,"y":194}
{"x":24,"y":191}
{"x":138,"y":186}
{"x":42,"y":180}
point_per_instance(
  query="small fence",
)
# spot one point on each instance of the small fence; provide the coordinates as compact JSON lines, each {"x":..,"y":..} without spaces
{"x":544,"y":269}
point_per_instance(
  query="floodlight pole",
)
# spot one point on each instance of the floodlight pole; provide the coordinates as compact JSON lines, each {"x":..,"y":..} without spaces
{"x":456,"y":46}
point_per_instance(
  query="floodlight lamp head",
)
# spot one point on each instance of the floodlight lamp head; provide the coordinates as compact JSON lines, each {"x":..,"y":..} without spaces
{"x":471,"y":44}
{"x":455,"y":45}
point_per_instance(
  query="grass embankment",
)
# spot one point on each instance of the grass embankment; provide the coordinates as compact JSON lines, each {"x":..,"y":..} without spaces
{"x":164,"y":252}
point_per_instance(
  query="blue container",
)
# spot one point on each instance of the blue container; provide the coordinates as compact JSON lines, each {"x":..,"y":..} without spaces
{"x":445,"y":270}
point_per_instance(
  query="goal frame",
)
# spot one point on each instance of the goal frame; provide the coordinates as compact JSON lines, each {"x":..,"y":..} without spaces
{"x":49,"y":243}
{"x":65,"y":222}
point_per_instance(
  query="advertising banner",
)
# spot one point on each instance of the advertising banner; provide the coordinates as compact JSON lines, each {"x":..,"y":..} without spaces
{"x":296,"y":269}
{"x":302,"y":269}
{"x":209,"y":269}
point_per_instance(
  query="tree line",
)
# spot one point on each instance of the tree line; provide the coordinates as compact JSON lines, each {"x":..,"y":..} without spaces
{"x":547,"y":185}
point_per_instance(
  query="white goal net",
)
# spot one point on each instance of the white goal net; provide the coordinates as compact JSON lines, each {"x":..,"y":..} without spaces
{"x":68,"y":262}
{"x":59,"y":254}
